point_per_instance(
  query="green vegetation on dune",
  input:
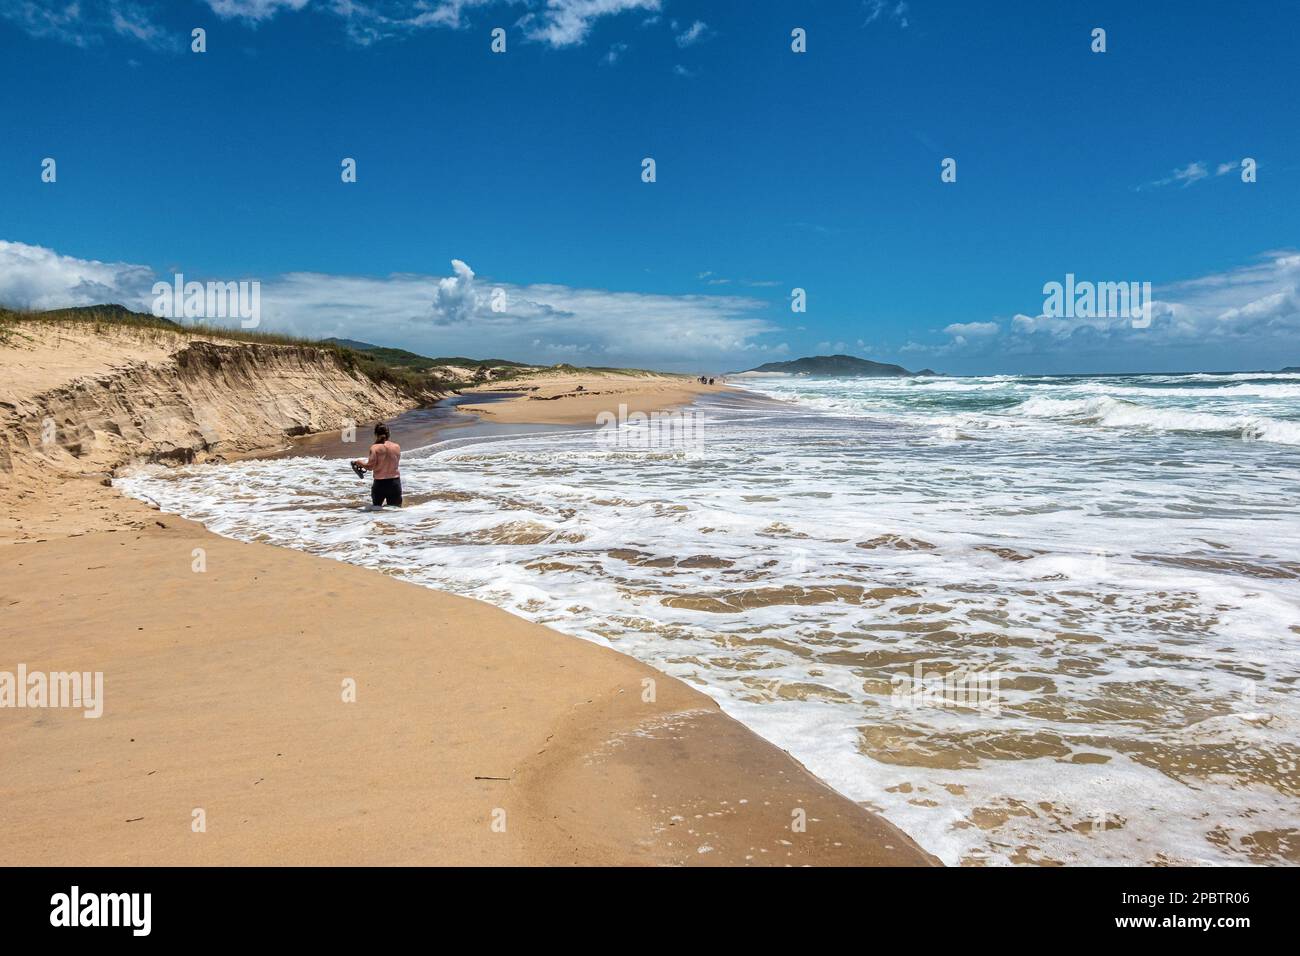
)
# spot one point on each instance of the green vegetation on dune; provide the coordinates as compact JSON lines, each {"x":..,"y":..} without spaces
{"x":478,"y":363}
{"x":500,"y":369}
{"x":566,"y":369}
{"x":116,"y":316}
{"x":402,"y":357}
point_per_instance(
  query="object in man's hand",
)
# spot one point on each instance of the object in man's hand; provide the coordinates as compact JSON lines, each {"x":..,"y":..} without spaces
{"x":361,"y":472}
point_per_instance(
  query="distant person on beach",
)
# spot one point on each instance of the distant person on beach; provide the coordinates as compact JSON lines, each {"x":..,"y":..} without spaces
{"x":384,"y":457}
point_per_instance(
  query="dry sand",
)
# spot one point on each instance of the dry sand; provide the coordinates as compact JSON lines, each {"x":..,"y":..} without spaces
{"x":579,"y":399}
{"x":474,"y":738}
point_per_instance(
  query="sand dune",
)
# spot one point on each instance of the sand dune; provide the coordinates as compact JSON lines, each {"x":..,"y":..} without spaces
{"x":79,"y":401}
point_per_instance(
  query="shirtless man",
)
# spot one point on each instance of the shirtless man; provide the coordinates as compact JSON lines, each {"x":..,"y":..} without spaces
{"x":384,"y":456}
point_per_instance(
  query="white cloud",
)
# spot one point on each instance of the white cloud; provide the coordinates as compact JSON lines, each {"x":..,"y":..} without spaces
{"x":972,"y":328}
{"x":253,"y":9}
{"x":84,"y":23}
{"x":456,"y":300}
{"x":1248,"y":311}
{"x":889,"y":9}
{"x":33,"y":277}
{"x":441,"y":315}
{"x":1251,"y":304}
{"x":369,"y":21}
{"x":712,"y":278}
{"x":1193,"y":172}
{"x":567,"y":22}
{"x":693,"y":34}
{"x":1231,"y":166}
{"x":62,"y":23}
{"x":130,"y":21}
{"x":557,"y":23}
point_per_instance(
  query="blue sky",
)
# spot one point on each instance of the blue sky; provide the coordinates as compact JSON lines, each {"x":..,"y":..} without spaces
{"x":775,"y":171}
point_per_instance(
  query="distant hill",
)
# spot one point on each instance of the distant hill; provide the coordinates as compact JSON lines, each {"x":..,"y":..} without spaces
{"x":839,"y":366}
{"x":1292,"y":368}
{"x":405,"y":359}
{"x":95,"y":313}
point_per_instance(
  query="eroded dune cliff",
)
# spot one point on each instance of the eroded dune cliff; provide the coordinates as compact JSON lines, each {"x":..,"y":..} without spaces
{"x":86,"y":399}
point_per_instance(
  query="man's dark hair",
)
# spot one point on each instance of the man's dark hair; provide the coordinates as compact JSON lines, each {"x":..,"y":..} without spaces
{"x":381,"y":432}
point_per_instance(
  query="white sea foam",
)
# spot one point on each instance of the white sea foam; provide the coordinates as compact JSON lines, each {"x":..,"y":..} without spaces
{"x":1257,"y":406}
{"x":1117,"y":413}
{"x":1135,"y":585}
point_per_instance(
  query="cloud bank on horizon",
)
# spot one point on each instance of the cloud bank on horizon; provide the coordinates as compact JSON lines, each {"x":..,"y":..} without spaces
{"x":457,"y":314}
{"x":464,"y":313}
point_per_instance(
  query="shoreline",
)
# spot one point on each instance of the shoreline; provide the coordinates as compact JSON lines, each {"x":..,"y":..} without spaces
{"x":223,"y":695}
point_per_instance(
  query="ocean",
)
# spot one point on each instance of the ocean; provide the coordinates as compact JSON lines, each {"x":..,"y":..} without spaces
{"x":1027,"y":619}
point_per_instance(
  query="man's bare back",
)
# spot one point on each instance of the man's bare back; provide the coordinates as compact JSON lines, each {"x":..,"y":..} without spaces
{"x":385,"y":456}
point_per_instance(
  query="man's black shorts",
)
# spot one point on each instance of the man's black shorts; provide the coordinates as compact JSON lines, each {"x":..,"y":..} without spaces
{"x":386,"y":491}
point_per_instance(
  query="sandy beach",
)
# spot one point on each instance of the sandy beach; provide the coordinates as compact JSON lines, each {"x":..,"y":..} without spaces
{"x":305,"y":711}
{"x":579,"y":399}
